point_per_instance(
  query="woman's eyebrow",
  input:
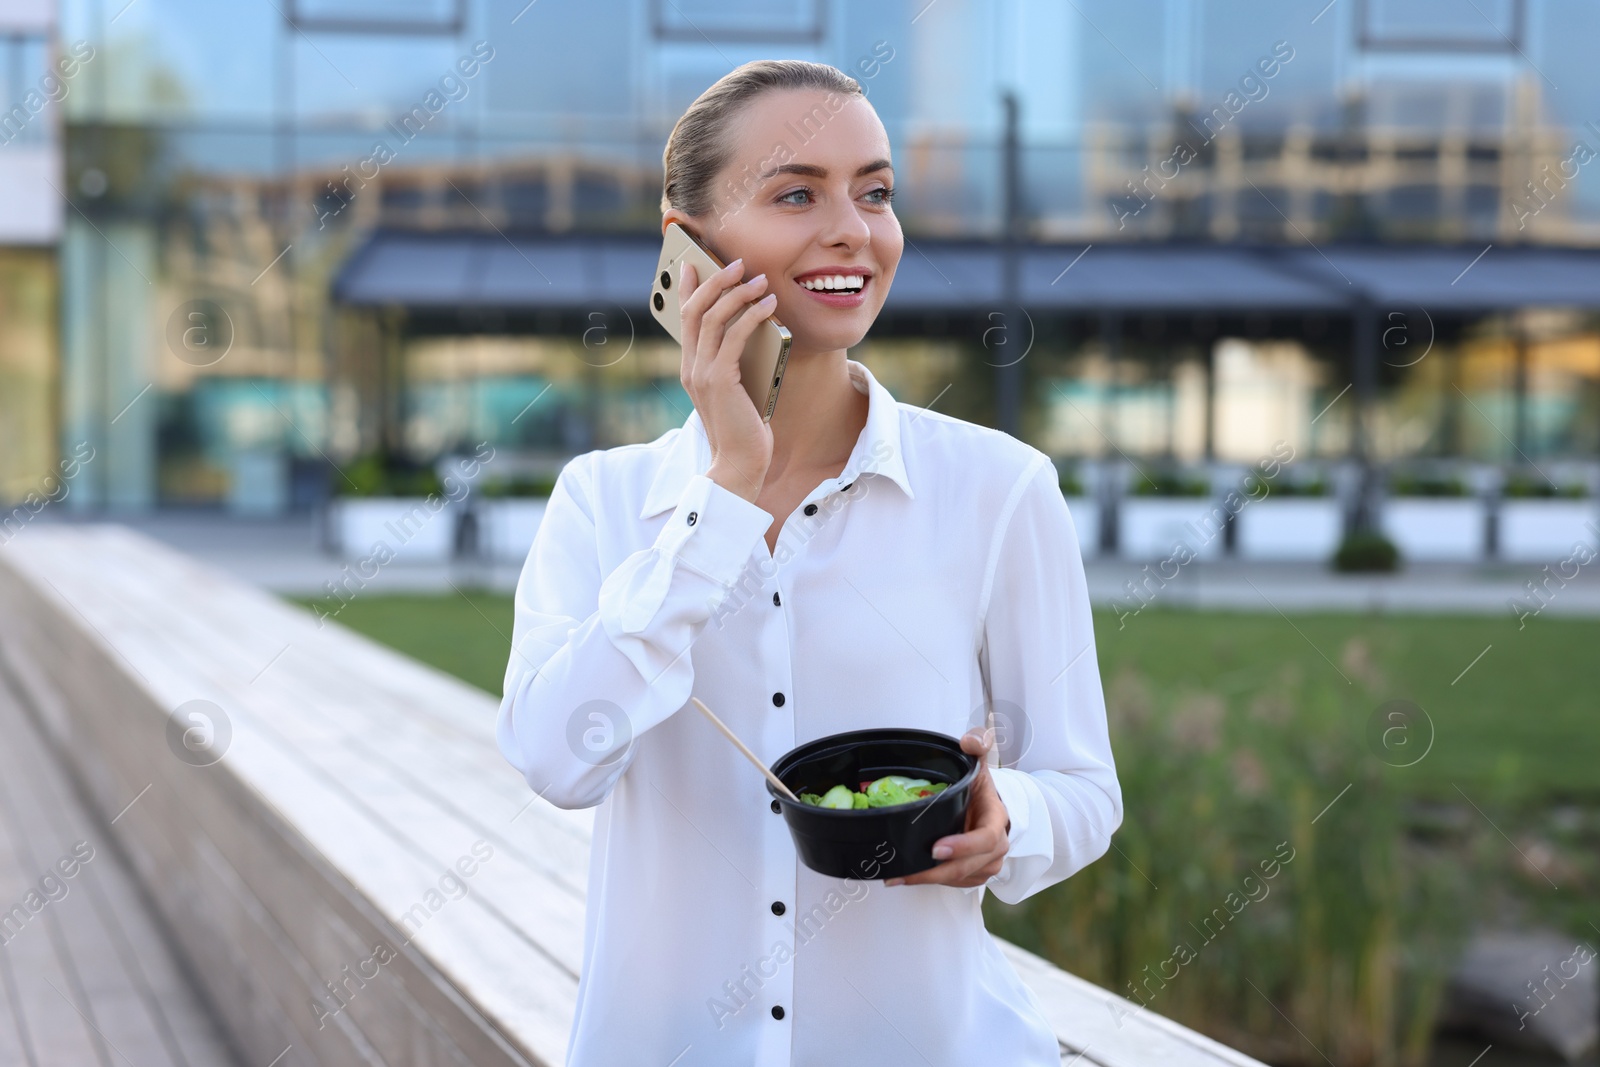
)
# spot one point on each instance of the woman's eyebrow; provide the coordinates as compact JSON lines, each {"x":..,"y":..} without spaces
{"x":814,"y":171}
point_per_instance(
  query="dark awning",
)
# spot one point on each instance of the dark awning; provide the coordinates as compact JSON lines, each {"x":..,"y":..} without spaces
{"x":1458,"y":278}
{"x":475,"y":271}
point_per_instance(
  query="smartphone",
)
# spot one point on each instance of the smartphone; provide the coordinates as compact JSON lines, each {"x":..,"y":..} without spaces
{"x":767,"y":351}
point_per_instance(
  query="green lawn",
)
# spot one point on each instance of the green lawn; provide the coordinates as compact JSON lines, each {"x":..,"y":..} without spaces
{"x":1235,"y":732}
{"x":1523,"y":724}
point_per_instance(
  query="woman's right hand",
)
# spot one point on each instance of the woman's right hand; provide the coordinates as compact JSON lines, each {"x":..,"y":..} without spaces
{"x":741,"y":443}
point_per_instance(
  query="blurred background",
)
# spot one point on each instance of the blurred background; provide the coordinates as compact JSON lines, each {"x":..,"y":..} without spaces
{"x":264,"y":263}
{"x":351,"y":247}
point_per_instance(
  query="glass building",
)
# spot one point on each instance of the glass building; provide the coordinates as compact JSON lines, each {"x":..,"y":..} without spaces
{"x":243,"y":246}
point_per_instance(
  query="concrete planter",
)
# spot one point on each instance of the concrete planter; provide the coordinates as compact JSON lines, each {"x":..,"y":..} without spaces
{"x":1543,"y":531}
{"x":1292,"y":528}
{"x":415,"y":529}
{"x":1151,"y":527}
{"x":506,"y":527}
{"x":1085,"y":512}
{"x":1429,"y":528}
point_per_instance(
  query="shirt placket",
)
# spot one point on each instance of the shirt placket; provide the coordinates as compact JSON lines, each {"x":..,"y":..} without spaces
{"x":780,"y":876}
{"x":781,"y":872}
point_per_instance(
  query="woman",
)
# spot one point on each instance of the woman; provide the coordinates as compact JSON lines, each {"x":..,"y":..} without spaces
{"x":857,"y":563}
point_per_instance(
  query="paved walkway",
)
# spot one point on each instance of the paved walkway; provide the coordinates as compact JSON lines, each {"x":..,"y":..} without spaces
{"x":85,"y":975}
{"x":285,"y":556}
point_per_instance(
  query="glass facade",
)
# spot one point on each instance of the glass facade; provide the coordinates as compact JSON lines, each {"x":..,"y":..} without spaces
{"x":220,"y":165}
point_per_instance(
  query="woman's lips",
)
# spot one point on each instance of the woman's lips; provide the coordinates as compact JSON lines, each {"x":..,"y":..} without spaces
{"x":839,"y":300}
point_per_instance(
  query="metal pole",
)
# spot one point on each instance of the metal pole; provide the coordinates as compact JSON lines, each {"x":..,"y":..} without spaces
{"x":1111,"y":487}
{"x":1008,"y":375}
{"x":1364,"y":376}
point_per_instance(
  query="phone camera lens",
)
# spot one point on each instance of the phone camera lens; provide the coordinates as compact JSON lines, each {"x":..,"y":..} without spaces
{"x":660,"y":303}
{"x":666,"y":279}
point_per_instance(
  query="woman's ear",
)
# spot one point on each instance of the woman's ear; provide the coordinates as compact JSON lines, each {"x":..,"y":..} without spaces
{"x":672,"y":215}
{"x":693,"y":228}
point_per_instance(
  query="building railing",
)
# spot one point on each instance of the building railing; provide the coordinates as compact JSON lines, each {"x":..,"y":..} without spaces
{"x":1275,"y":181}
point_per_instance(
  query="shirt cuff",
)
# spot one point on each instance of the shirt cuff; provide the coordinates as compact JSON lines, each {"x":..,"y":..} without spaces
{"x":1014,"y":787}
{"x":713,"y":530}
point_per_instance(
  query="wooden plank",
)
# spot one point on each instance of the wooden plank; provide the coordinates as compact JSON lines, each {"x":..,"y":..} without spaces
{"x":478,"y":771}
{"x":1110,"y":1030}
{"x":328,"y":748}
{"x":16,"y":1046}
{"x":338,"y":832}
{"x":95,"y":980}
{"x":113,"y":938}
{"x":201,"y":632}
{"x":534,"y":1009}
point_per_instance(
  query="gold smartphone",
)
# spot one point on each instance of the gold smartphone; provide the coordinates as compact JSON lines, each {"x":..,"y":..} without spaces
{"x":767,"y":351}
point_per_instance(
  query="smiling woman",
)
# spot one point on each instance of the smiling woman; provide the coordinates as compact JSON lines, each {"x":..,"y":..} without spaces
{"x":869,"y":565}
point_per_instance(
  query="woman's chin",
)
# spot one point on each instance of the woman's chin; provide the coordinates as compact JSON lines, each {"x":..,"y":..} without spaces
{"x":827,"y":340}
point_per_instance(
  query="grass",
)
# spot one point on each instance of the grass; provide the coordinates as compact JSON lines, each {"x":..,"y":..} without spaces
{"x":1250,"y":743}
{"x":1519,"y":725}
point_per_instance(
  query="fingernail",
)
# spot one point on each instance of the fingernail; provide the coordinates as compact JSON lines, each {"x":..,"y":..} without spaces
{"x":736,"y":263}
{"x":941,"y":852}
{"x":768,"y":300}
{"x":757,"y":278}
{"x":894,"y":881}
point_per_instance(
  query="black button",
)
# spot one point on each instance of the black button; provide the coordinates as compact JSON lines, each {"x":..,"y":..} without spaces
{"x":777,"y":1011}
{"x":775,"y":600}
{"x":811,"y":509}
{"x":777,"y":808}
{"x":693,"y":515}
{"x":846,"y":489}
{"x":777,"y":907}
{"x":777,"y":699}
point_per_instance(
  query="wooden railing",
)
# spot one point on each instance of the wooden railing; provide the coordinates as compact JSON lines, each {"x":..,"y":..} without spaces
{"x":306,"y":809}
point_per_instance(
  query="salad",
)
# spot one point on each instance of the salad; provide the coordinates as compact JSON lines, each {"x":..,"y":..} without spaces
{"x":879,"y":793}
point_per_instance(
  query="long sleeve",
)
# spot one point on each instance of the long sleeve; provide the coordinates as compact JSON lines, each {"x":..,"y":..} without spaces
{"x":596,"y":660}
{"x":1056,"y":774}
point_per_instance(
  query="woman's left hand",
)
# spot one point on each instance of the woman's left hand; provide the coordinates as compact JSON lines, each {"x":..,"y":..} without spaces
{"x":973,"y":857}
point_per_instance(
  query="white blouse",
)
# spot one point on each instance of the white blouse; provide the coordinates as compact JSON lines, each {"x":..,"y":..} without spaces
{"x":943,"y":553}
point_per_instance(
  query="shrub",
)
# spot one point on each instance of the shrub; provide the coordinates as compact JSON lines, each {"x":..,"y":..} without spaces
{"x":1169,"y":484}
{"x":1350,"y":937}
{"x":1523,"y":486}
{"x":1366,"y":551}
{"x":1309,"y":487}
{"x":370,"y":475}
{"x":1426,"y":485}
{"x":522,"y":485}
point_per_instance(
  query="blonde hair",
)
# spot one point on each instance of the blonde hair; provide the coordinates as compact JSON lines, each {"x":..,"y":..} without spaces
{"x":697,"y":148}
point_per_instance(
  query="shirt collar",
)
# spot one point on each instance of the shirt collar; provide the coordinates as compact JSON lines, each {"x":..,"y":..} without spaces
{"x":877,"y":451}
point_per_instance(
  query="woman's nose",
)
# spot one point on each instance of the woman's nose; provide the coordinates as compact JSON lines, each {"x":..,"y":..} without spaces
{"x":844,"y":225}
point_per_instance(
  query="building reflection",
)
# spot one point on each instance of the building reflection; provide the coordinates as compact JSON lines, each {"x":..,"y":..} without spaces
{"x":220,"y":309}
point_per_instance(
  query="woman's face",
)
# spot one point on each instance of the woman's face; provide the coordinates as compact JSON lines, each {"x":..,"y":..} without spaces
{"x":803,"y":196}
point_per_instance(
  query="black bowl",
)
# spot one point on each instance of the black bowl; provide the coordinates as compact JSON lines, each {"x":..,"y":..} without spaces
{"x":873,"y":843}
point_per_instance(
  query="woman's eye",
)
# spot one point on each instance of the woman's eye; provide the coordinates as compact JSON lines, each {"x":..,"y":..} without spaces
{"x":886,"y":194}
{"x":784,"y":199}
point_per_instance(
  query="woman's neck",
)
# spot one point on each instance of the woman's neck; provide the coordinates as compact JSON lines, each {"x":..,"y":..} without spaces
{"x":819,"y":415}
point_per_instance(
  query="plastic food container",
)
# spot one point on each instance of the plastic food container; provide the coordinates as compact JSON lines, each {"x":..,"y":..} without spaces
{"x":874,"y":843}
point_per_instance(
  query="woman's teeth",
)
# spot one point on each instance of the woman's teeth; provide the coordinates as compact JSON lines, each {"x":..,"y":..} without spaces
{"x":849,"y":283}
